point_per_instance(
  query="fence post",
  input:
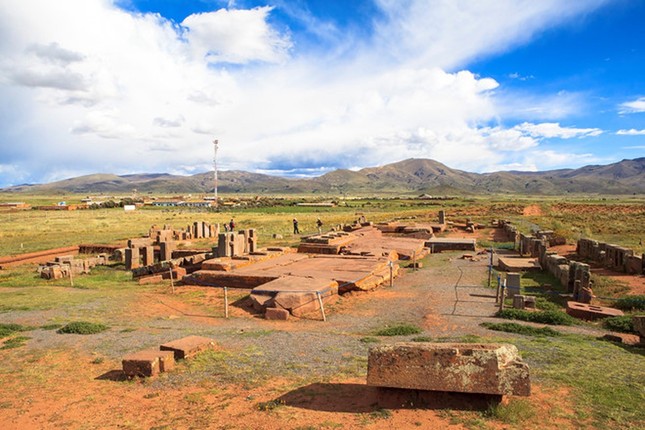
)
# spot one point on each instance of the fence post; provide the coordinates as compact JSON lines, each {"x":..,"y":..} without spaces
{"x":226,"y":301}
{"x":322,"y":308}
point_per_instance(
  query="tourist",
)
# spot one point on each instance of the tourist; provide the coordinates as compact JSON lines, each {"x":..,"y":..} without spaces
{"x":295,"y":227}
{"x":231,"y":225}
{"x":319,"y":224}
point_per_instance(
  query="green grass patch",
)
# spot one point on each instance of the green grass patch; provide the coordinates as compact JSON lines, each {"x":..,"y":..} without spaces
{"x":369,"y":339}
{"x":82,"y":327}
{"x":9,"y":329}
{"x":14,"y":342}
{"x":631,"y":303}
{"x":422,"y":339}
{"x":540,"y":317}
{"x":516,"y":411}
{"x":398,"y":330}
{"x":521,"y":329}
{"x":623,"y":324}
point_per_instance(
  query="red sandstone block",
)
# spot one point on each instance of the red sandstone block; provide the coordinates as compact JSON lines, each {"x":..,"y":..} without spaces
{"x":152,"y":279}
{"x":276,"y":314}
{"x":590,"y":312}
{"x":148,"y":363}
{"x":189,"y":346}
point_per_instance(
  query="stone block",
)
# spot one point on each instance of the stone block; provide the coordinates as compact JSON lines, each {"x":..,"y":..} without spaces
{"x":189,"y":346}
{"x":276,"y":314}
{"x":151,"y":279}
{"x":148,"y":253}
{"x":132,"y":258}
{"x":518,"y":301}
{"x":589,"y":312}
{"x":453,"y":367}
{"x":165,"y":250}
{"x":639,"y":324}
{"x":148,"y":363}
{"x":513,"y":282}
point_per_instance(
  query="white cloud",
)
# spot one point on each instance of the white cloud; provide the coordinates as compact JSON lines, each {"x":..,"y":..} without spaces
{"x":634,"y":106}
{"x":97,"y":88}
{"x":631,"y":132}
{"x":554,"y":130}
{"x":236,"y":36}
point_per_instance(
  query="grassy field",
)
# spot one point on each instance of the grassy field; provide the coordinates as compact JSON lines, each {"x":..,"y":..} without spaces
{"x":581,"y":382}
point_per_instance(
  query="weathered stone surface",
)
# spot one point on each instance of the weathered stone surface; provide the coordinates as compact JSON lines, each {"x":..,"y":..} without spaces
{"x":148,"y":363}
{"x":276,"y":314}
{"x":298,"y":295}
{"x":189,"y":346}
{"x":150,"y":279}
{"x":465,"y":368}
{"x":590,"y":312}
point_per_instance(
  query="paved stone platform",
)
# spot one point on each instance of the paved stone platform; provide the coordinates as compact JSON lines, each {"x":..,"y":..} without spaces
{"x":438,"y":244}
{"x":297,"y":295}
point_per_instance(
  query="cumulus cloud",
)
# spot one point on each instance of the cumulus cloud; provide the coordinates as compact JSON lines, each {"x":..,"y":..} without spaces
{"x":634,"y":106}
{"x":631,"y":132}
{"x":236,"y":36}
{"x":125,"y":92}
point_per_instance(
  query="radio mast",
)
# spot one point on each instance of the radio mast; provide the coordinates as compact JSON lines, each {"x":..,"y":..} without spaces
{"x":215,"y":146}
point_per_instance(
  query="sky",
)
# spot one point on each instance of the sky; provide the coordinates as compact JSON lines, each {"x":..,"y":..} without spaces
{"x":303,"y":87}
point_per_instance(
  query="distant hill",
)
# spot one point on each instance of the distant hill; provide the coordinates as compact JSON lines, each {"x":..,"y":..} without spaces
{"x":408,"y":176}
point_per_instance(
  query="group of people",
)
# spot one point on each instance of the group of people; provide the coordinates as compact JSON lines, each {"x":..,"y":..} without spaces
{"x":231,"y":226}
{"x":296,"y":230}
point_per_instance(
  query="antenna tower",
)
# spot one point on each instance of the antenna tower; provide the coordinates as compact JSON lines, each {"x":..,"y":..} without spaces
{"x":215,"y":147}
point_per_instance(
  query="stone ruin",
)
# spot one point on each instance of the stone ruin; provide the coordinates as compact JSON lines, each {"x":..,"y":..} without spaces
{"x":612,"y":257}
{"x":64,"y":265}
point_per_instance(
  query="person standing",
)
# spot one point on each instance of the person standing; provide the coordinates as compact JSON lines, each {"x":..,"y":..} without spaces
{"x":231,"y":225}
{"x":319,"y":225}
{"x":295,"y":227}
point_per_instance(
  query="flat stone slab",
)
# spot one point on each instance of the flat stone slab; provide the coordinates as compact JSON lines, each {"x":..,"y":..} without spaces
{"x":591,"y":312}
{"x":149,"y":362}
{"x":518,"y":264}
{"x":455,"y":367}
{"x":438,"y":244}
{"x":298,"y":295}
{"x":189,"y":346}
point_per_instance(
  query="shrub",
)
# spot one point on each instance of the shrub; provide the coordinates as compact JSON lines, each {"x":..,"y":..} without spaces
{"x":15,"y":342}
{"x":521,"y":329}
{"x":623,"y":324}
{"x":399,"y":330}
{"x":422,"y":339}
{"x":631,"y":303}
{"x":541,"y":317}
{"x":82,"y":327}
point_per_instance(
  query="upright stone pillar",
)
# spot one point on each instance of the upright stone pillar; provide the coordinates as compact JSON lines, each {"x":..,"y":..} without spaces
{"x":148,"y":255}
{"x":442,"y":217}
{"x":166,"y":249}
{"x":132,"y":258}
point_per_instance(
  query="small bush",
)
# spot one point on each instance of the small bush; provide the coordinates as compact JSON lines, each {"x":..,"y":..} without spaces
{"x":399,"y":330}
{"x":369,"y":339}
{"x":623,"y":324}
{"x":541,"y":317}
{"x":521,"y":329}
{"x":270,"y":405}
{"x":545,"y":305}
{"x":82,"y":327}
{"x":631,"y":303}
{"x":422,"y":339}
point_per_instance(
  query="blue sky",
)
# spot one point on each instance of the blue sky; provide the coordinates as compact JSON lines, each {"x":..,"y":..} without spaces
{"x":303,"y":87}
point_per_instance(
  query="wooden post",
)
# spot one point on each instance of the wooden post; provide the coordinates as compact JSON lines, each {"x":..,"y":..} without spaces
{"x":172,"y":282}
{"x":391,"y":264}
{"x":499,"y":288}
{"x":322,"y":308}
{"x":414,"y":260}
{"x":71,"y":276}
{"x":501,"y":299}
{"x":226,"y":302}
{"x":490,"y":267}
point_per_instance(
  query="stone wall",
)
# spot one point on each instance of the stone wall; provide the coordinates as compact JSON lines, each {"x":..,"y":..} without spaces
{"x":612,"y":257}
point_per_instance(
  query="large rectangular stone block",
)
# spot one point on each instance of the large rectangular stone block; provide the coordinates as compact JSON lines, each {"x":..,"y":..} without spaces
{"x":189,"y":346}
{"x":464,"y":368}
{"x":148,"y":363}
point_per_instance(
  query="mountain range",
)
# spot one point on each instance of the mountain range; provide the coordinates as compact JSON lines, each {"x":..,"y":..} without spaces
{"x":412,"y":176}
